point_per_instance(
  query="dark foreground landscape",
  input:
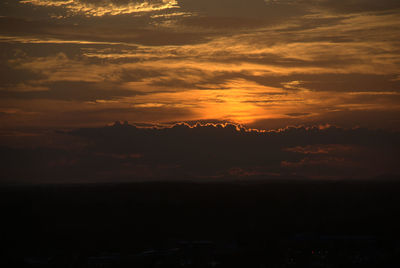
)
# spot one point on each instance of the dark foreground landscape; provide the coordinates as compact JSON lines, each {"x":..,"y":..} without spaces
{"x":275,"y":224}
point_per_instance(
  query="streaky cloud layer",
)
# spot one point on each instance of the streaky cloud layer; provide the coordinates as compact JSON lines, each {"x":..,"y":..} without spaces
{"x":262,"y":64}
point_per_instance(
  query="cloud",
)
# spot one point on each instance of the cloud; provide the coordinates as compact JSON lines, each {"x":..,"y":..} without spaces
{"x":233,"y":24}
{"x":202,"y":85}
{"x":105,"y":7}
{"x":238,"y":8}
{"x":359,"y":5}
{"x":104,"y":31}
{"x":181,"y":151}
{"x":297,"y":114}
{"x":252,"y":62}
{"x":342,"y":5}
{"x":68,"y":91}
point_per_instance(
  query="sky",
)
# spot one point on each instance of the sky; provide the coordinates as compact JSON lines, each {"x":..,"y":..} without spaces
{"x":256,"y":66}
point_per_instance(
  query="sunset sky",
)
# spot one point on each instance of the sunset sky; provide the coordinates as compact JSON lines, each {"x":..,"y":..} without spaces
{"x":263,"y":64}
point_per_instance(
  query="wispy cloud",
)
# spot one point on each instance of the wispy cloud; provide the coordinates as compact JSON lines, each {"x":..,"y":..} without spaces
{"x":293,"y":62}
{"x":104,"y":7}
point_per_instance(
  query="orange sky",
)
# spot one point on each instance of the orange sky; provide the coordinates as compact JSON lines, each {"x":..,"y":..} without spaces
{"x":265,"y":64}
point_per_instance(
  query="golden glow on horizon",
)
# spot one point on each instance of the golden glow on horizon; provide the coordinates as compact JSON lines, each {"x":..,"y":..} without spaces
{"x":182,"y":62}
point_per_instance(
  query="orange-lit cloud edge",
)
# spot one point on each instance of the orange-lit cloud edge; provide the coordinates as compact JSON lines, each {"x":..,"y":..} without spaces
{"x":241,"y":56}
{"x":103,"y":8}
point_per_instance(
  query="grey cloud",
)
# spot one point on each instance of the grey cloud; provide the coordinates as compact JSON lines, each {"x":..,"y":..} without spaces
{"x":317,"y":82}
{"x":332,"y":82}
{"x":138,"y":114}
{"x":183,"y":152}
{"x":344,"y":6}
{"x":100,"y":115}
{"x":136,"y":75}
{"x":10,"y":77}
{"x":65,"y":90}
{"x":375,"y":119}
{"x":223,"y":23}
{"x":359,"y":5}
{"x":238,"y":8}
{"x":351,"y":82}
{"x":117,"y":32}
